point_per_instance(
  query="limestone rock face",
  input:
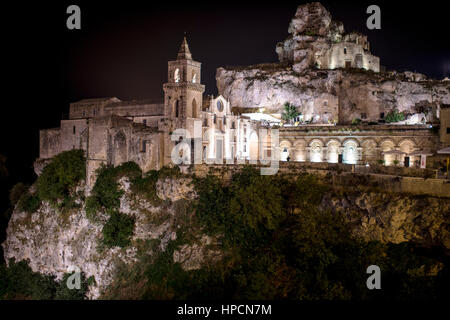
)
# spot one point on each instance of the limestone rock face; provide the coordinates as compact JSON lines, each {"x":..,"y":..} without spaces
{"x":343,"y":94}
{"x":193,"y":256}
{"x":311,"y":31}
{"x":175,"y":189}
{"x":394,"y":218}
{"x":52,"y":242}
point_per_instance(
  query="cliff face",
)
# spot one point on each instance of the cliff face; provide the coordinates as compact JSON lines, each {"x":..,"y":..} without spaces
{"x":52,"y":241}
{"x":348,"y":94}
{"x":394,"y":218}
{"x":324,"y":95}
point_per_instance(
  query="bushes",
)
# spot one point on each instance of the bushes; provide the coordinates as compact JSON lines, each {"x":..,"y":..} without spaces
{"x":29,"y":202}
{"x":18,"y":281}
{"x":106,"y":192}
{"x":118,"y":230}
{"x":394,"y":116}
{"x":106,"y":196}
{"x":60,"y":175}
{"x":55,"y":184}
{"x":146,"y":187}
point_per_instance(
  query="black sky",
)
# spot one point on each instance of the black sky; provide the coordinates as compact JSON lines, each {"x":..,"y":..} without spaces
{"x":123,"y":48}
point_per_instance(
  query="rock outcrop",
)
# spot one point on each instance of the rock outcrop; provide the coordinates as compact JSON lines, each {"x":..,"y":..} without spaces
{"x":311,"y":33}
{"x":53,"y":242}
{"x":330,"y":92}
{"x":394,"y":218}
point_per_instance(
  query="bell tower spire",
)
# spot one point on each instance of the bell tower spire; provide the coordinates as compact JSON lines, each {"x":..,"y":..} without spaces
{"x":184,"y":52}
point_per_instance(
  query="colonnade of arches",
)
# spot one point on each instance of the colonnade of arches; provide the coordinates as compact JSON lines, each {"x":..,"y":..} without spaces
{"x":350,"y":151}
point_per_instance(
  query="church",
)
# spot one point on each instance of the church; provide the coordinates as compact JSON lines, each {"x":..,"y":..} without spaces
{"x":111,"y":131}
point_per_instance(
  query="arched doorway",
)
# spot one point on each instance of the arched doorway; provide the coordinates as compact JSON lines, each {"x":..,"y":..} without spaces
{"x":350,"y":155}
{"x":253,"y":146}
{"x":333,"y":151}
{"x":285,"y":150}
{"x":315,"y":151}
{"x":388,"y":145}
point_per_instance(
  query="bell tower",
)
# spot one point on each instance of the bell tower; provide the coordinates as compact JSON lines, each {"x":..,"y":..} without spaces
{"x":183,"y":92}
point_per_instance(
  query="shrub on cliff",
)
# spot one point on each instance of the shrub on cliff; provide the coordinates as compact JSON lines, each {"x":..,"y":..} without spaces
{"x":18,"y":281}
{"x":29,"y":202}
{"x":62,"y":174}
{"x":394,"y":116}
{"x":118,"y":230}
{"x":106,"y":192}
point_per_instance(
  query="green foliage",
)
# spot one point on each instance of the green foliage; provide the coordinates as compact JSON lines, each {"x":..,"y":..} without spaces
{"x":356,"y":121}
{"x":394,"y":116}
{"x":146,"y":187}
{"x":63,"y":173}
{"x":18,"y":281}
{"x":118,"y":230}
{"x":106,"y":193}
{"x":16,"y":192}
{"x":290,"y":112}
{"x":29,"y":202}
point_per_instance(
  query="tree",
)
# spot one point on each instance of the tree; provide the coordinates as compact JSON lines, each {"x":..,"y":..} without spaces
{"x":290,"y":112}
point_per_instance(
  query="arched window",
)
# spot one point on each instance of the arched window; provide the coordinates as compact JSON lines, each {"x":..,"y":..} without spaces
{"x":176,"y":75}
{"x":215,"y":119}
{"x":194,"y":108}
{"x":345,"y":50}
{"x":177,"y":109}
{"x":194,"y":77}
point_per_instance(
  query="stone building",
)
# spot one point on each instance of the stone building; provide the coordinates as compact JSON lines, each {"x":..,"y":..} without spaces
{"x":316,"y":40}
{"x":350,"y":51}
{"x":112,"y":131}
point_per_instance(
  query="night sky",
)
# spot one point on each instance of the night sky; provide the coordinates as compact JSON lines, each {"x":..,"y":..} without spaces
{"x":123,"y":47}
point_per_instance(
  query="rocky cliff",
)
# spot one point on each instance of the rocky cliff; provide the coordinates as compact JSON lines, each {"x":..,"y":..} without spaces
{"x":394,"y":218}
{"x":53,"y":241}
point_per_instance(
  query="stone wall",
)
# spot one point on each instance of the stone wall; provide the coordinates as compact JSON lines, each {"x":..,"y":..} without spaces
{"x":49,"y":143}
